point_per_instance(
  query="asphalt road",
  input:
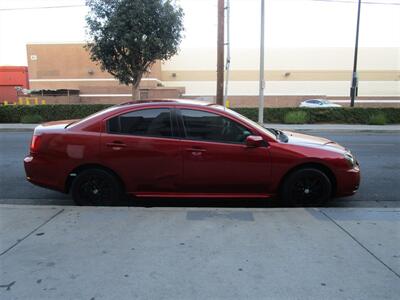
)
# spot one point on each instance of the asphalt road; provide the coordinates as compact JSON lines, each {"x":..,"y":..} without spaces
{"x":378,"y":154}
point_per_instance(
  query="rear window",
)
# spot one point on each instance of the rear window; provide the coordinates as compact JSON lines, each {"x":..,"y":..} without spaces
{"x":103,"y":111}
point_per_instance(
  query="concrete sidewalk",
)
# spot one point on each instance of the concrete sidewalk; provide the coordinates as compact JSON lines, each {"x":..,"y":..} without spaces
{"x":298,"y":127}
{"x":198,"y":253}
{"x":17,"y":127}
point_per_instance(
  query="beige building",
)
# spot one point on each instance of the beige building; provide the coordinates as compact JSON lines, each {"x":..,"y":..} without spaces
{"x":292,"y":74}
{"x":68,"y":66}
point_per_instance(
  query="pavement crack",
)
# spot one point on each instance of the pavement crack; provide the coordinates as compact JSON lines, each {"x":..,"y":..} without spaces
{"x":30,"y":233}
{"x":7,"y":286}
{"x":359,"y":243}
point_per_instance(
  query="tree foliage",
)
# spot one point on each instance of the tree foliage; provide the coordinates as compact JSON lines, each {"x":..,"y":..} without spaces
{"x":128,"y":36}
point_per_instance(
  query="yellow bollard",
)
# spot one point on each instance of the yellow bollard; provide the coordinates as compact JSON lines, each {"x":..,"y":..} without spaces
{"x":43,"y":102}
{"x":227,"y":104}
{"x":36,"y":101}
{"x":5,"y":103}
{"x":27,"y":100}
{"x":21,"y":101}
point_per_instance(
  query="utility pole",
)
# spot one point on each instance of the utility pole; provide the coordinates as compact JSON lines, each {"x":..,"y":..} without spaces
{"x":220,"y":53}
{"x":354,"y":81}
{"x":262,"y":80}
{"x":228,"y":52}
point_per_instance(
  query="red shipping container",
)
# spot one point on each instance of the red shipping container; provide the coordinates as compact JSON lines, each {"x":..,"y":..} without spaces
{"x":10,"y":78}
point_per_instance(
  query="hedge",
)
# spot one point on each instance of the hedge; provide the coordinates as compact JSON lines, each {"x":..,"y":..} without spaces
{"x":328,"y":115}
{"x":14,"y":113}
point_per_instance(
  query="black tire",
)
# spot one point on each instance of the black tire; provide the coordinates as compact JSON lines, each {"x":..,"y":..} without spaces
{"x":306,"y":187}
{"x":96,"y":187}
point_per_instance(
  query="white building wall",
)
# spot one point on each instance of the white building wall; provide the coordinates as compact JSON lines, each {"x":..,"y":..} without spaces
{"x":383,"y":65}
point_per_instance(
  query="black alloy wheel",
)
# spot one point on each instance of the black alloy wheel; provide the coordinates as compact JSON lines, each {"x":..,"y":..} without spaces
{"x":96,"y":187}
{"x":306,"y":187}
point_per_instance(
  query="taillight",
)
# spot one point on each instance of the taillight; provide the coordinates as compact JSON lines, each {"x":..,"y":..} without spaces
{"x":35,"y":143}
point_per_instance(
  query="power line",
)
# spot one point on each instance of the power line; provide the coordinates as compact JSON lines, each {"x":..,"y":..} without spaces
{"x":41,"y":7}
{"x":364,"y":2}
{"x":83,"y":5}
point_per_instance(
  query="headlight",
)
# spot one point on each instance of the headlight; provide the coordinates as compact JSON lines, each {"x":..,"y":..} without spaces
{"x":350,"y":159}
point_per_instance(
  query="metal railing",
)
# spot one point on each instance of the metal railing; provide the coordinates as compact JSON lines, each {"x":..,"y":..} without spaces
{"x":25,"y":101}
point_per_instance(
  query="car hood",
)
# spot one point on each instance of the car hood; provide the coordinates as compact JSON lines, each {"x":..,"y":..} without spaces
{"x":306,"y":140}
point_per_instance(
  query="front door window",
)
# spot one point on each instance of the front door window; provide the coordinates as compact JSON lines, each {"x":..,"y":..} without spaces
{"x":204,"y":126}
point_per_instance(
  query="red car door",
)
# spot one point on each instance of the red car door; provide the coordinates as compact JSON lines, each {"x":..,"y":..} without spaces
{"x":216,"y":159}
{"x":142,"y":148}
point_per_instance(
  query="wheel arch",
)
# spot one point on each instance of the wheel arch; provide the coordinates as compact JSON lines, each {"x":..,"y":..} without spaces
{"x":84,"y":167}
{"x":316,"y":165}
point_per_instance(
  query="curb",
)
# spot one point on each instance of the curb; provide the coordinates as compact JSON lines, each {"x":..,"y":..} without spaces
{"x":190,"y":208}
{"x":336,"y":127}
{"x":340,"y":130}
{"x":12,"y":127}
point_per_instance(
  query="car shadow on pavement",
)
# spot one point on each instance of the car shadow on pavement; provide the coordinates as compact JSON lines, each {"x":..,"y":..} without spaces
{"x":229,"y":203}
{"x":198,"y":202}
{"x":233,"y":203}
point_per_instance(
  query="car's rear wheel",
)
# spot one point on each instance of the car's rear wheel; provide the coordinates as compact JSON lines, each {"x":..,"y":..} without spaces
{"x":95,"y":187}
{"x":306,"y":187}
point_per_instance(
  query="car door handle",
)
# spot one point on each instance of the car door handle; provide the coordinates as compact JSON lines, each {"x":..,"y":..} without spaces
{"x":116,"y":144}
{"x":198,"y":152}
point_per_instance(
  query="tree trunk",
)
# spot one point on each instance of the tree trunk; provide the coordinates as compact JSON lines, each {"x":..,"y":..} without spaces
{"x":135,"y":88}
{"x":135,"y":92}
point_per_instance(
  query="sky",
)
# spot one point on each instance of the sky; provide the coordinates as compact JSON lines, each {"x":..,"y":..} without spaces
{"x":289,"y":23}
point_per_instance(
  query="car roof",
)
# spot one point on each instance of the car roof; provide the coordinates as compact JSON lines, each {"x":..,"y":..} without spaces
{"x":123,"y":107}
{"x":168,"y":101}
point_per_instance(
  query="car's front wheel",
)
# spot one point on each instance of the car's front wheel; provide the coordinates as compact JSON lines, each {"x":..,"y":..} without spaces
{"x":306,"y":187}
{"x":95,"y":187}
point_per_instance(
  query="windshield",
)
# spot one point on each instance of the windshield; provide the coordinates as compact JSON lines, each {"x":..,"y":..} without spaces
{"x":247,"y":120}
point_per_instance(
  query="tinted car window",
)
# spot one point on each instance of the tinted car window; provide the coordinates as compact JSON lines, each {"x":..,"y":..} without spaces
{"x":201,"y":125}
{"x":146,"y":122}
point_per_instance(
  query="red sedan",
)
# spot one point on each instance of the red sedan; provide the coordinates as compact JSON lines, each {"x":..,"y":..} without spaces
{"x":185,"y":149}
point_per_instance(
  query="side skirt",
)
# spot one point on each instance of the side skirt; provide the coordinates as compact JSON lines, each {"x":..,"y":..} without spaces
{"x":199,"y":195}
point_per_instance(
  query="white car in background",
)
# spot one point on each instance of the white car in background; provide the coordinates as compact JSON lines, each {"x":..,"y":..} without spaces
{"x":320,"y":103}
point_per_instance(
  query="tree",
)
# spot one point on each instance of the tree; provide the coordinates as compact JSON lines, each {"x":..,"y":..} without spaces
{"x":128,"y":36}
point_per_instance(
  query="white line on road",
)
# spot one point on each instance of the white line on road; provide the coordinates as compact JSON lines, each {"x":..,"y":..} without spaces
{"x":366,"y":144}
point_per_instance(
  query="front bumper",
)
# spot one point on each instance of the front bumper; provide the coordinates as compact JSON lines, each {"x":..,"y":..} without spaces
{"x":348,"y":182}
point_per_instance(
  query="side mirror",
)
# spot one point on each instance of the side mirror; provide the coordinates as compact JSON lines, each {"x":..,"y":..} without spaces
{"x":253,"y":141}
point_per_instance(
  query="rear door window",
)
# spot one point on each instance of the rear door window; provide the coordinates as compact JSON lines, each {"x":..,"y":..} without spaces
{"x":147,"y":122}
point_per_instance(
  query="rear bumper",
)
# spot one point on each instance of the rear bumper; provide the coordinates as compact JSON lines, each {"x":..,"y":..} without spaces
{"x":41,"y":172}
{"x":348,"y":182}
